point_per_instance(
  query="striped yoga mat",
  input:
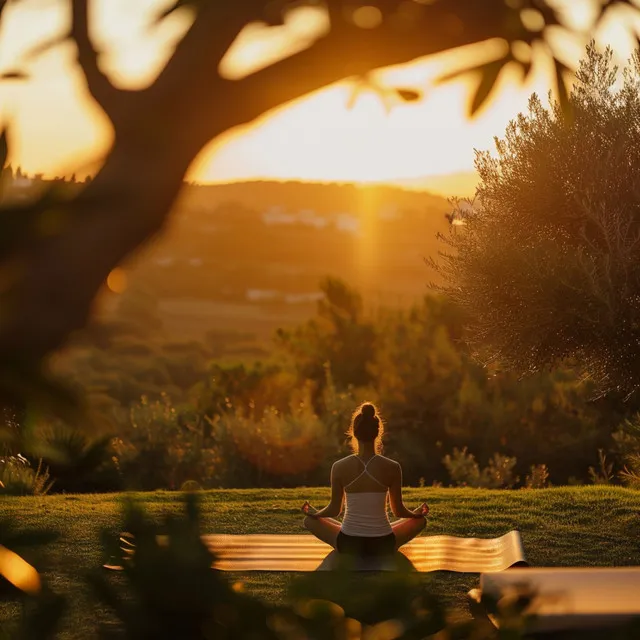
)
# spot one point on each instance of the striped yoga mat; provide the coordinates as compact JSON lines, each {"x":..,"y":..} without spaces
{"x":307,"y":553}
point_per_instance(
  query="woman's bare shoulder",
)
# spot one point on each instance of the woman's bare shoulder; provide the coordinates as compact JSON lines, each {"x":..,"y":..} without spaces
{"x":343,"y":461}
{"x":388,"y":462}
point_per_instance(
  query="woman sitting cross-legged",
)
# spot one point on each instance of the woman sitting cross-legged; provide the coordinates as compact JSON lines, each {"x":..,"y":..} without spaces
{"x":365,"y":479}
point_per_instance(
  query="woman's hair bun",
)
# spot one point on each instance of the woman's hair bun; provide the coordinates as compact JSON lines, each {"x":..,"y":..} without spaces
{"x":365,"y":424}
{"x":368,"y":410}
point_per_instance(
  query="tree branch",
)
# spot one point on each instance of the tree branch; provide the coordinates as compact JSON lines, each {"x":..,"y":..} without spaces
{"x":198,"y":55}
{"x":60,"y":274}
{"x":348,"y":50}
{"x":99,"y":85}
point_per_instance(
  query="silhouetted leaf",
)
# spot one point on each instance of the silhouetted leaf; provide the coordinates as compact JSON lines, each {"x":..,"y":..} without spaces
{"x":4,"y":149}
{"x":409,"y":95}
{"x":178,"y":4}
{"x":490,"y":73}
{"x":563,"y":91}
{"x":492,"y":68}
{"x":14,"y":75}
{"x":454,"y":75}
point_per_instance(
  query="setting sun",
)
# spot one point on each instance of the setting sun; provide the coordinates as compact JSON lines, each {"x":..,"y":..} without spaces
{"x":342,"y":133}
{"x":332,"y":135}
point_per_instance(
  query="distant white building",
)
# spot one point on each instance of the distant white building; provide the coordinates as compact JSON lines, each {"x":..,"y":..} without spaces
{"x":347,"y":222}
{"x":261,"y":295}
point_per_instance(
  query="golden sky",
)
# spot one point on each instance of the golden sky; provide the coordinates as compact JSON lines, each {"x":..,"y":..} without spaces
{"x":57,"y":130}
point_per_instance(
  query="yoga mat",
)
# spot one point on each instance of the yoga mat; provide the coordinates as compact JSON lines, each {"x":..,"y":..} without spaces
{"x":307,"y":553}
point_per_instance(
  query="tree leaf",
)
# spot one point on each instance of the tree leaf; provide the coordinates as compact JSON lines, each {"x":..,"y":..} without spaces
{"x":454,"y":75}
{"x":490,"y":73}
{"x":14,"y":75}
{"x":564,"y":97}
{"x":4,"y":149}
{"x":409,"y":95}
{"x":171,"y":9}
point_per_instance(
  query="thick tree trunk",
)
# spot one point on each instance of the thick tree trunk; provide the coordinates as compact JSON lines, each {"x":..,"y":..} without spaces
{"x":126,"y":204}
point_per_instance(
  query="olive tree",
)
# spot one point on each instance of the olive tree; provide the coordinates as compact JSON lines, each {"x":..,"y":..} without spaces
{"x":547,"y":261}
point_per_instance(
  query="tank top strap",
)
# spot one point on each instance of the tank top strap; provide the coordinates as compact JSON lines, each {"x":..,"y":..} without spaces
{"x":366,"y":464}
{"x":365,"y":471}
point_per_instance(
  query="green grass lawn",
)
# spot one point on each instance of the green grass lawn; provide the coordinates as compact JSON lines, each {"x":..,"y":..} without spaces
{"x":584,"y":526}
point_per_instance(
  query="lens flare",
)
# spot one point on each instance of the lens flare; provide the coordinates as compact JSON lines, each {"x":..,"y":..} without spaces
{"x":19,"y":572}
{"x":117,"y":280}
{"x":367,"y":17}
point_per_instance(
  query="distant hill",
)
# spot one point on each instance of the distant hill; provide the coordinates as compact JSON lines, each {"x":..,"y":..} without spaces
{"x":249,"y":256}
{"x":461,"y":184}
{"x":324,"y":198}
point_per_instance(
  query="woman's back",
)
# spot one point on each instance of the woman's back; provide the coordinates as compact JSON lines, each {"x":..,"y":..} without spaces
{"x":366,"y":486}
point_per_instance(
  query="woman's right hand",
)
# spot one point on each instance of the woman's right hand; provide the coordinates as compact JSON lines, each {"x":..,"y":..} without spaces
{"x":307,"y":509}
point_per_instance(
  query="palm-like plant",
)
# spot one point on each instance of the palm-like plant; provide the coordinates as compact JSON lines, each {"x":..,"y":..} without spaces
{"x":80,"y":463}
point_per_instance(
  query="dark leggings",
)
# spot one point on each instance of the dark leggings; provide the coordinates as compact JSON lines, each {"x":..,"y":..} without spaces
{"x":366,"y":547}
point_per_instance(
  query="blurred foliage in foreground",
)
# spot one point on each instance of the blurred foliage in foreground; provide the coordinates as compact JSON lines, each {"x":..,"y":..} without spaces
{"x":168,"y":589}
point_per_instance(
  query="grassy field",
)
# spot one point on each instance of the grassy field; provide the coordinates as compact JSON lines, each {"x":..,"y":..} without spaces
{"x":560,"y":527}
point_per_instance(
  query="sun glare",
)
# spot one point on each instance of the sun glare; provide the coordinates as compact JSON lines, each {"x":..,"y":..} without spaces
{"x":19,"y":572}
{"x":320,"y":137}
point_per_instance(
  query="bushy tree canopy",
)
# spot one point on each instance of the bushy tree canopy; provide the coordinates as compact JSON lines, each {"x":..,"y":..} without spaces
{"x":547,"y":262}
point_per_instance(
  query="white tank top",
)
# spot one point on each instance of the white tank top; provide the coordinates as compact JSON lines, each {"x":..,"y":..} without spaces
{"x":365,"y":513}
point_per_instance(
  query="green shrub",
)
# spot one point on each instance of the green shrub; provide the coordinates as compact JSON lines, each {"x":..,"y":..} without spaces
{"x":159,"y":447}
{"x":627,"y":447}
{"x":79,"y":463}
{"x":538,"y":478}
{"x":18,"y":478}
{"x":464,"y":471}
{"x":341,"y":334}
{"x":603,"y":473}
{"x":290,"y":448}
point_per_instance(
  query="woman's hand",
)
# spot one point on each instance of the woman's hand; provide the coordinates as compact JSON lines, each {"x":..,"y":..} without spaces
{"x":308,"y":510}
{"x":422,"y":511}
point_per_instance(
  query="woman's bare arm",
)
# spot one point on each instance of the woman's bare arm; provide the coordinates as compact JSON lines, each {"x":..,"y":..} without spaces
{"x":395,"y":496}
{"x":334,"y":508}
